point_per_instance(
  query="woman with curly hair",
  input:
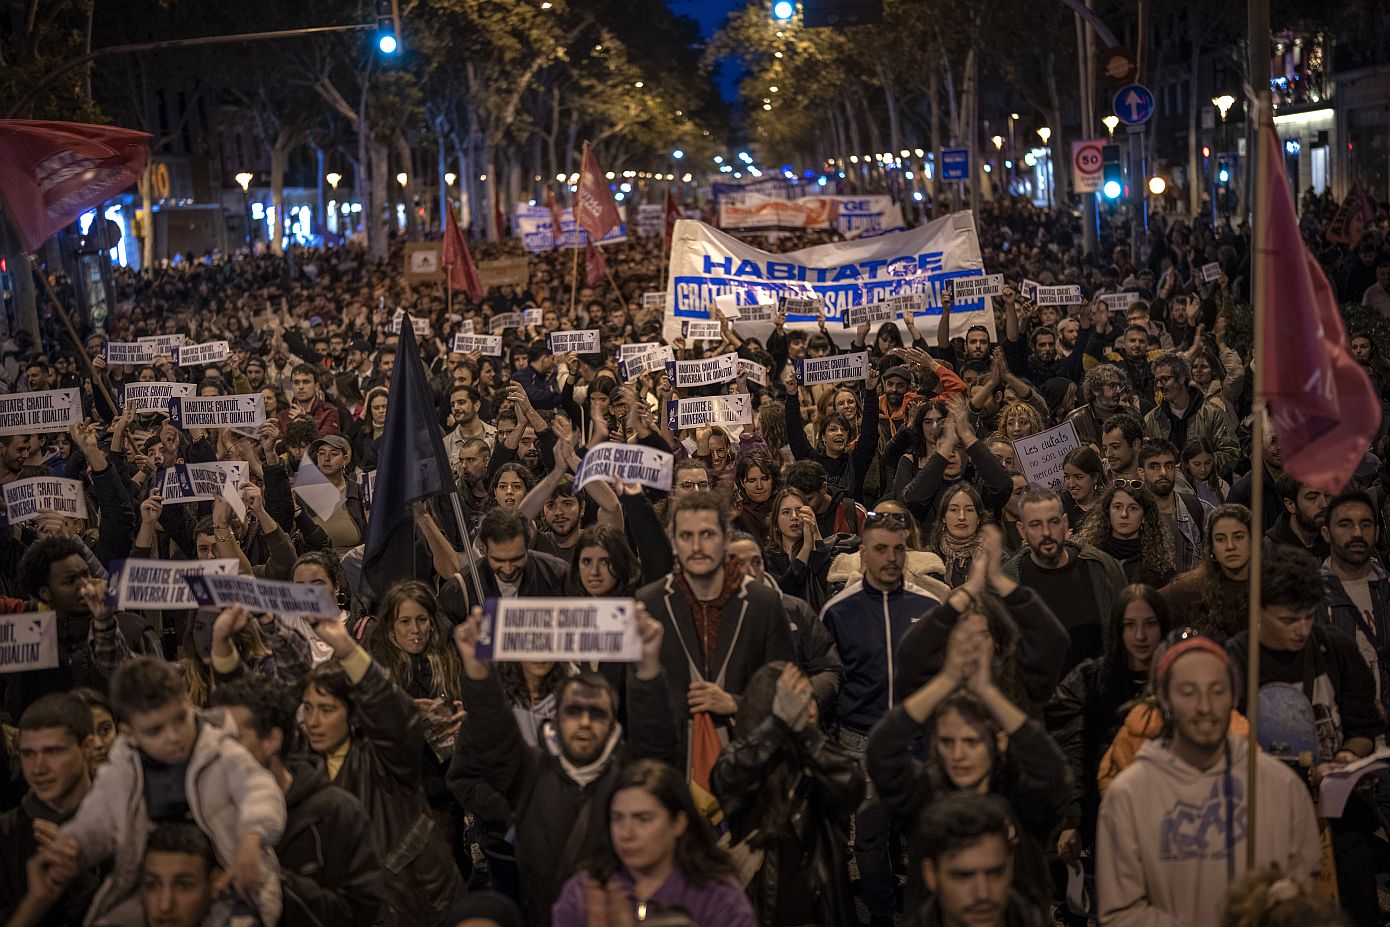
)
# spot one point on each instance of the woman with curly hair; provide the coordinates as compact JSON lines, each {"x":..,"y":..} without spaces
{"x":1126,"y":524}
{"x":1019,"y":419}
{"x":757,"y":479}
{"x":1213,"y":597}
{"x":956,"y":535}
{"x":1272,"y":899}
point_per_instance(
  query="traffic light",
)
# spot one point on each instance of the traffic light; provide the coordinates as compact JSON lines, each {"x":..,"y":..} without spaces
{"x":783,"y":10}
{"x":1206,"y":151}
{"x":1111,"y":174}
{"x":1225,"y":169}
{"x":388,"y":27}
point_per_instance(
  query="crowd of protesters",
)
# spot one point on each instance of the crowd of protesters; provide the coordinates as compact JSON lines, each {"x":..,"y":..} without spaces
{"x":941,"y":696}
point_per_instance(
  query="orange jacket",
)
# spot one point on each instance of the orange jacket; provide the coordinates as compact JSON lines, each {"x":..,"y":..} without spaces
{"x":1144,"y":723}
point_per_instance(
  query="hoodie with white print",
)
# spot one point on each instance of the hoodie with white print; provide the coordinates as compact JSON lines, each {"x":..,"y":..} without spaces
{"x":1162,"y":843}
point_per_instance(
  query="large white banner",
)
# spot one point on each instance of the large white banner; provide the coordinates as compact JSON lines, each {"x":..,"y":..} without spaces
{"x":706,"y":263}
{"x":532,"y":225}
{"x":851,"y":215}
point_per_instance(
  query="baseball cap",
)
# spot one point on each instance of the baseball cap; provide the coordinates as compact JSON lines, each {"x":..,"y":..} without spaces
{"x":334,"y":441}
{"x":315,"y":321}
{"x":899,"y":371}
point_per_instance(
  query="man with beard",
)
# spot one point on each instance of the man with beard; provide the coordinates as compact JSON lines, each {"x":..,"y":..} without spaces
{"x":562,"y":513}
{"x":359,"y":364}
{"x":1169,"y":838}
{"x":1356,"y":589}
{"x":307,"y":402}
{"x":1077,"y":581}
{"x":1131,"y":355}
{"x":1103,"y":388}
{"x":1041,"y":362}
{"x":1120,"y":437}
{"x":471,"y":468}
{"x":463,"y":405}
{"x":508,"y":568}
{"x":1184,"y":515}
{"x":1300,"y":525}
{"x":254,"y":371}
{"x":1185,"y":414}
{"x":557,"y":792}
{"x":1269,"y":479}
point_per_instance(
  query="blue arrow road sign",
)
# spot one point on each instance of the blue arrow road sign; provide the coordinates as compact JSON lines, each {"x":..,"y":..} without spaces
{"x":955,"y":164}
{"x":1134,"y":104}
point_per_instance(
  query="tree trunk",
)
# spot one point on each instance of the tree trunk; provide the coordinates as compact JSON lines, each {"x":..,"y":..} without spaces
{"x":320,"y":214}
{"x":934,"y":91}
{"x":895,"y":138}
{"x":378,"y":205}
{"x":493,"y":190}
{"x":1195,"y":180}
{"x":279,"y":162}
{"x":441,"y":167}
{"x":412,"y":216}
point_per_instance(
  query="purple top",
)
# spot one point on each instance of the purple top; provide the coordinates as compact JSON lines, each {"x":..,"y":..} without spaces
{"x":718,"y":904}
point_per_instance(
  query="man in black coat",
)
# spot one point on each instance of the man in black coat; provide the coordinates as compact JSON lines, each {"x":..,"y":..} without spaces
{"x":558,"y":791}
{"x":508,"y":568}
{"x":330,"y":871}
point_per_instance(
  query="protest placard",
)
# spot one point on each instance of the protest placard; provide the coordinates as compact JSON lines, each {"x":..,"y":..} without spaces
{"x":1041,"y":455}
{"x":905,"y":304}
{"x":487,"y":345}
{"x":463,"y":327}
{"x":153,"y":397}
{"x":583,"y":341}
{"x":421,"y":326}
{"x":243,"y":410}
{"x":967,"y":288}
{"x":1065,"y":295}
{"x":701,"y":330}
{"x":164,"y":345}
{"x":200,"y":482}
{"x":709,"y":410}
{"x":1211,"y":272}
{"x":726,"y":305}
{"x":752,"y":370}
{"x":41,"y":412}
{"x":367,"y":481}
{"x":631,"y":463}
{"x":638,"y":364}
{"x":1118,"y":302}
{"x":503,"y":321}
{"x":801,"y":305}
{"x":650,"y":219}
{"x":869,"y":314}
{"x":533,"y":224}
{"x":641,"y":347}
{"x":264,"y":595}
{"x":547,"y":629}
{"x":703,"y":372}
{"x":159,"y":584}
{"x":533,"y":316}
{"x":834,"y":368}
{"x":209,"y":352}
{"x":757,"y":312}
{"x":654,"y":300}
{"x":128,"y":352}
{"x":1028,"y":289}
{"x":504,"y":272}
{"x":25,"y":498}
{"x":29,"y":641}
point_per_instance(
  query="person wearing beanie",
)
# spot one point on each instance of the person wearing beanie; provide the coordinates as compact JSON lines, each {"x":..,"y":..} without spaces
{"x":1171,"y":837}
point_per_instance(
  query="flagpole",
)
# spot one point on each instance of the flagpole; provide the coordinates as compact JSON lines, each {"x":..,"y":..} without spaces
{"x":621,"y":298}
{"x":574,"y":210}
{"x":1258,"y":22}
{"x":467,"y":545}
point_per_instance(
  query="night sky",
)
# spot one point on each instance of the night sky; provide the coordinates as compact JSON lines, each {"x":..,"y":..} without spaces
{"x":710,"y":14}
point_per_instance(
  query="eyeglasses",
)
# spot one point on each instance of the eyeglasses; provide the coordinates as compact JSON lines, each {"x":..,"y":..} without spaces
{"x":691,"y":486}
{"x":888,"y":520}
{"x":1126,"y":484}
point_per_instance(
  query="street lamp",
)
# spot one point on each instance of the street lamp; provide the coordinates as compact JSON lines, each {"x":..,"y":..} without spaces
{"x":449,"y":178}
{"x":1157,"y":185}
{"x":1223,"y":104}
{"x":244,"y":180}
{"x":1111,"y":122}
{"x":333,"y":178}
{"x":401,"y":178}
{"x":1044,"y":133}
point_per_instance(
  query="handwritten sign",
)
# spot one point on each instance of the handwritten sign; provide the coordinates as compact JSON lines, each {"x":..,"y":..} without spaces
{"x":631,"y":463}
{"x":40,"y":412}
{"x":153,"y":397}
{"x":964,"y":289}
{"x":832,"y":369}
{"x":583,"y":341}
{"x":638,"y":364}
{"x":1068,"y":295}
{"x":1041,"y":455}
{"x":487,"y":345}
{"x":201,"y":482}
{"x":869,"y":314}
{"x":709,"y":410}
{"x":503,"y":321}
{"x":29,"y":641}
{"x":209,"y":352}
{"x":159,"y":584}
{"x":244,"y":410}
{"x":701,"y":330}
{"x":703,"y":372}
{"x":24,"y":499}
{"x":128,"y":352}
{"x":504,"y":272}
{"x":264,"y":595}
{"x":1211,"y":272}
{"x":548,"y":629}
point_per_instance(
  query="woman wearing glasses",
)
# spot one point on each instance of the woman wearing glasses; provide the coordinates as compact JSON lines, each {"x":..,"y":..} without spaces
{"x":1126,"y":524}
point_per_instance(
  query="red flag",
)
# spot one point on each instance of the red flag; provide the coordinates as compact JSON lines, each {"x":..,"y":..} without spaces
{"x":557,"y":226}
{"x":52,"y":172}
{"x":1321,"y":402}
{"x":497,"y":216}
{"x":673,"y":212}
{"x":458,"y":261}
{"x":595,"y":266}
{"x":594,"y":209}
{"x":1351,"y":217}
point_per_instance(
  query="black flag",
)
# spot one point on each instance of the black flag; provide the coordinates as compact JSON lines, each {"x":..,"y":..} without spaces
{"x":411,"y":465}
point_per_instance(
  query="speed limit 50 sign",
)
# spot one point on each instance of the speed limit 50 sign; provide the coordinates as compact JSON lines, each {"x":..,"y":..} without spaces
{"x":1086,"y":165}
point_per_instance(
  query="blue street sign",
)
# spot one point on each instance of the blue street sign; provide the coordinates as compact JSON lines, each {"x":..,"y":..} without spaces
{"x":1134,"y":104}
{"x":955,"y":164}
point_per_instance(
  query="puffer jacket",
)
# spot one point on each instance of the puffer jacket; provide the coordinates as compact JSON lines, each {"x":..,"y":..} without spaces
{"x":805,"y":866}
{"x":229,"y":796}
{"x":383,"y":768}
{"x":1204,"y":419}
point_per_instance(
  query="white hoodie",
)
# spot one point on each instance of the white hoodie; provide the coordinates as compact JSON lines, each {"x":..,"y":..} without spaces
{"x":1161,"y":843}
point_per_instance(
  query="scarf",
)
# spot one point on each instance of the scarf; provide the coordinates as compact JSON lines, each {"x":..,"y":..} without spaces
{"x":955,"y":550}
{"x":582,"y":775}
{"x":706,"y":615}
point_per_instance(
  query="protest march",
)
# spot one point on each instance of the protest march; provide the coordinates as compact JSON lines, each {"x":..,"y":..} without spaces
{"x":466,"y":466}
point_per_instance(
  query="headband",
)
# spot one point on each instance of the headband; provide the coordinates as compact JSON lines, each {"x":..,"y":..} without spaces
{"x":1188,"y":645}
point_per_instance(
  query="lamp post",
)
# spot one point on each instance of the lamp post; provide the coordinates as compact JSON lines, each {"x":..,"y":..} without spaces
{"x":244,"y":180}
{"x":1013,"y":149}
{"x":1111,"y":122}
{"x":1045,"y":134}
{"x":1223,"y":103}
